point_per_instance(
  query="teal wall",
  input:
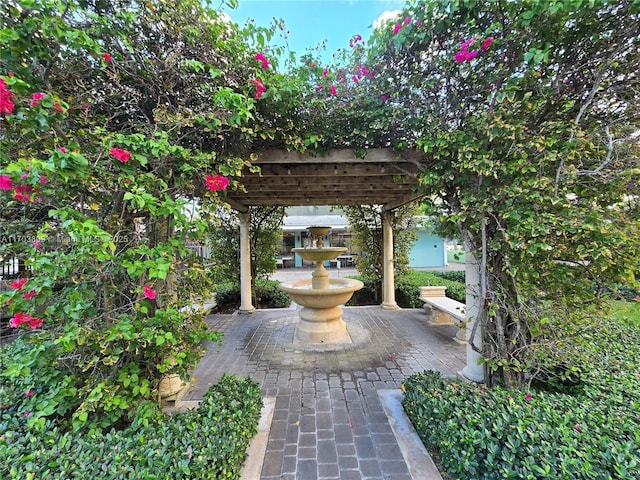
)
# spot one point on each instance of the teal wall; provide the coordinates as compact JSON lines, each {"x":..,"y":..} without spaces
{"x":428,"y":251}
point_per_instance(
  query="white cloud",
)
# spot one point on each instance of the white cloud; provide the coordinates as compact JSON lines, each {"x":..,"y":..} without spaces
{"x":385,"y":17}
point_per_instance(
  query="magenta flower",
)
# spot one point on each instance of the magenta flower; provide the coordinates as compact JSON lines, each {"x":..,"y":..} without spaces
{"x":62,"y":150}
{"x":5,"y":182}
{"x":120,"y":154}
{"x":30,"y":393}
{"x":20,"y":318}
{"x":260,"y":88}
{"x":407,"y":20}
{"x":107,"y":57}
{"x":528,"y":398}
{"x":36,"y":97}
{"x":486,"y":44}
{"x":29,"y":295}
{"x":465,"y":56}
{"x":334,"y":90}
{"x":18,"y":284}
{"x":396,"y":28}
{"x":383,"y":98}
{"x":36,"y":244}
{"x":148,"y":292}
{"x":57,"y":106}
{"x":325,"y":72}
{"x":261,"y":58}
{"x":22,"y":193}
{"x":43,"y":180}
{"x":216,"y":182}
{"x":6,"y":104}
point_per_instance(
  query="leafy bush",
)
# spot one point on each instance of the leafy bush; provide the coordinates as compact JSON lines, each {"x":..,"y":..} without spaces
{"x":267,"y":295}
{"x":454,"y":275}
{"x":499,"y":433}
{"x":60,"y":377}
{"x":209,"y":442}
{"x":408,"y":288}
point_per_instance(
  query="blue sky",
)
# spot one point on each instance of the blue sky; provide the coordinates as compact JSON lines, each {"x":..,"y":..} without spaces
{"x":309,"y":22}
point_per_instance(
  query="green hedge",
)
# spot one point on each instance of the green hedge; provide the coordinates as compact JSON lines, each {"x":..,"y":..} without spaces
{"x":481,"y":433}
{"x":209,"y":442}
{"x":408,"y":288}
{"x":267,"y":293}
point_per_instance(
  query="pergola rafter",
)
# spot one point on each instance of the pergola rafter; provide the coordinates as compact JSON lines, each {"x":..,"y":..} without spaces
{"x":337,"y":177}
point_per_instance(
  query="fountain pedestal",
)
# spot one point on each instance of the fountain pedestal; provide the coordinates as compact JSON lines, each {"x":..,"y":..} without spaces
{"x":321,"y":317}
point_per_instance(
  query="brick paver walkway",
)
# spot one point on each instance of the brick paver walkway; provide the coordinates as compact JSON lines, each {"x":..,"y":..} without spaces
{"x":328,"y":421}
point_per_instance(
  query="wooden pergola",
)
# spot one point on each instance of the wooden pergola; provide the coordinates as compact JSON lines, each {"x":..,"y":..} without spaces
{"x":337,"y":177}
{"x":342,"y":177}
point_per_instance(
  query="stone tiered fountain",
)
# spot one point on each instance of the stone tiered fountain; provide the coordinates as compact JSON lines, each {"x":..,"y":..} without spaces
{"x":321,"y":317}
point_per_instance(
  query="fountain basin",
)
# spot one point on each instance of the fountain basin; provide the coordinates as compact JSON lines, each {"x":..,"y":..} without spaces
{"x":319,"y":254}
{"x":339,"y":291}
{"x":321,"y":317}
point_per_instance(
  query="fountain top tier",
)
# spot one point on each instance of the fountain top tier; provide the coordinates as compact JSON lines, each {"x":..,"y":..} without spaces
{"x":320,"y":253}
{"x":318,"y":232}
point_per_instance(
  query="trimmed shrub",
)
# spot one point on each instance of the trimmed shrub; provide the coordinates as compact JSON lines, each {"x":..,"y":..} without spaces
{"x":408,"y":288}
{"x":267,"y":295}
{"x":480,"y":433}
{"x":209,"y":442}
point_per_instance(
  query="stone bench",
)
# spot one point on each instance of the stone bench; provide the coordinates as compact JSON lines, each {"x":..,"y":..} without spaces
{"x":443,"y":310}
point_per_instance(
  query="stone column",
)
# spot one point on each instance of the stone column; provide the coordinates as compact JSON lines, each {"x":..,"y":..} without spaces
{"x":473,"y":371}
{"x":245,"y":265}
{"x":388,"y":283}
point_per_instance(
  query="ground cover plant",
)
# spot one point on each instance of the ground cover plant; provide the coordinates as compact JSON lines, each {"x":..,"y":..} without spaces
{"x":209,"y":442}
{"x":589,"y":429}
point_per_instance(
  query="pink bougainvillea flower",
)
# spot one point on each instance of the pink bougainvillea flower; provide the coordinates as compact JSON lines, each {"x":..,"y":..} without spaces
{"x":5,"y":182}
{"x":465,"y":56}
{"x":35,"y":323}
{"x":30,"y":393}
{"x":18,"y":284}
{"x":22,"y":193}
{"x":107,"y":57}
{"x":216,"y":182}
{"x":383,"y":98}
{"x":6,"y":104}
{"x":20,"y":318}
{"x":260,"y":88}
{"x":407,"y":20}
{"x":528,"y":398}
{"x":467,"y":43}
{"x":36,"y":244}
{"x":334,"y":90}
{"x":325,"y":72}
{"x":15,"y":321}
{"x":396,"y":28}
{"x":43,"y":180}
{"x":355,"y":78}
{"x":29,"y":295}
{"x":120,"y":154}
{"x":62,"y":150}
{"x":36,"y":97}
{"x":27,"y":413}
{"x":486,"y":44}
{"x":148,"y":292}
{"x":261,"y":58}
{"x":460,"y":56}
